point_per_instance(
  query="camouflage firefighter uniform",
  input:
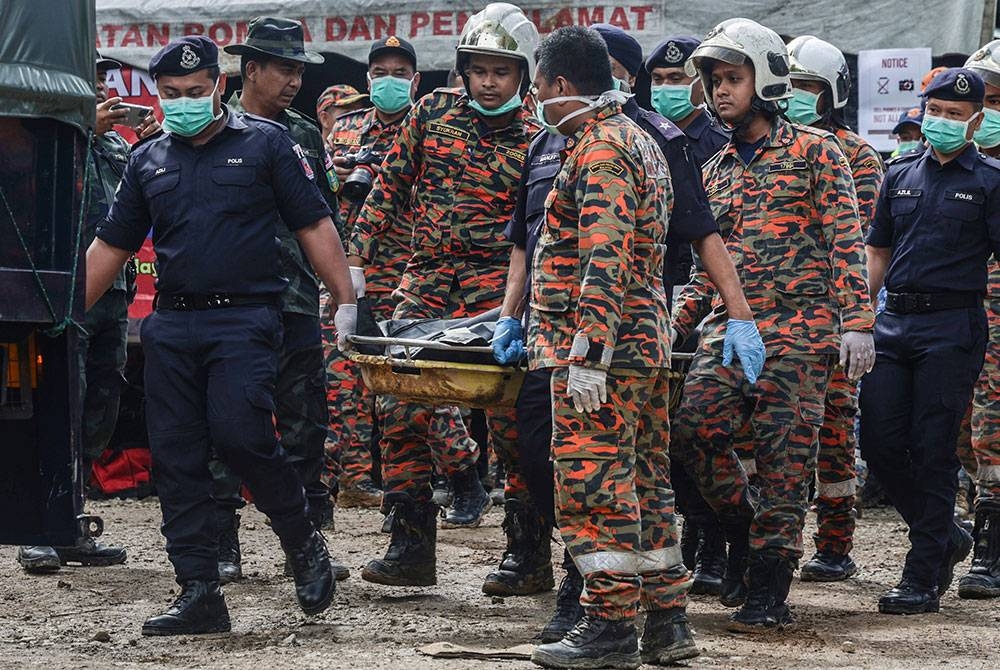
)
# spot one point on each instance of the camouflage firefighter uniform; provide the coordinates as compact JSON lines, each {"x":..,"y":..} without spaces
{"x":836,"y":479}
{"x":791,"y":224}
{"x":103,"y":344}
{"x":300,"y":397}
{"x":986,"y":402}
{"x":349,"y":402}
{"x":455,"y":179}
{"x":597,"y":300}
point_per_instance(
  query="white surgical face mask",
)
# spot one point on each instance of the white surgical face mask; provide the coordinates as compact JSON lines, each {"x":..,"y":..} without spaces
{"x":592,"y":102}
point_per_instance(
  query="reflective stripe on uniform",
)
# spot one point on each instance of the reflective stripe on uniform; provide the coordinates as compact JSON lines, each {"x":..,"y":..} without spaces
{"x":750,"y":465}
{"x":988,"y":474}
{"x":629,"y":562}
{"x":843,"y":489}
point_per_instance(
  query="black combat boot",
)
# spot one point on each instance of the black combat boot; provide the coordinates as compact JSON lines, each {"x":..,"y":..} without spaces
{"x":592,"y":643}
{"x":227,"y":523}
{"x":710,"y":566}
{"x":769,"y":576}
{"x":568,"y":608}
{"x":733,"y":590}
{"x":526,"y":566}
{"x":200,"y":608}
{"x":38,"y":560}
{"x":411,"y":559}
{"x":983,"y":580}
{"x":88,"y":551}
{"x":471,"y":501}
{"x":320,"y":513}
{"x":666,"y":638}
{"x":315,"y":583}
{"x":959,"y":547}
{"x":828,"y":566}
{"x":909,"y":597}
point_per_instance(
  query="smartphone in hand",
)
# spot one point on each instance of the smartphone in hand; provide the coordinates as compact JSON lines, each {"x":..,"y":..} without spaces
{"x":136,"y":113}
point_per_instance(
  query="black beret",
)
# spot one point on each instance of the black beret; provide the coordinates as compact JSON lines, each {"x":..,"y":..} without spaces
{"x":958,"y":84}
{"x":621,"y":46}
{"x":672,"y":52}
{"x":184,"y":56}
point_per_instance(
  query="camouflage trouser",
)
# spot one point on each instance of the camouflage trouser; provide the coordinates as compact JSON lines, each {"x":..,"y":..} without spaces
{"x":300,"y":413}
{"x":615,"y":508}
{"x":836,"y":478}
{"x":350,"y":404}
{"x":986,"y":417}
{"x":784,"y":411}
{"x":102,"y":360}
{"x":417,"y":439}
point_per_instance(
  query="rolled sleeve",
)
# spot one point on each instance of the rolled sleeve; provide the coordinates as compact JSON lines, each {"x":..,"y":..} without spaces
{"x":127,"y":223}
{"x":299,"y":200}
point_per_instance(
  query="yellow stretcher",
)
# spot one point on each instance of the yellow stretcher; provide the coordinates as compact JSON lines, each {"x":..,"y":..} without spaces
{"x":461,"y":384}
{"x":437,"y":382}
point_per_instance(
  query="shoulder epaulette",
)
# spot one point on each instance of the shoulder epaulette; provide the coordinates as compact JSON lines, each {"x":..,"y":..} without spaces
{"x":989,"y":160}
{"x":268,"y":122}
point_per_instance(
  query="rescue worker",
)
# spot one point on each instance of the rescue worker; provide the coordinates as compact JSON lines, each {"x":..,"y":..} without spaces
{"x":336,"y":101}
{"x":599,"y":320}
{"x":272,"y":62}
{"x":983,"y":580}
{"x":821,"y":83}
{"x":452,"y":173}
{"x":690,"y":220}
{"x":393,"y":80}
{"x":103,"y":342}
{"x":212,"y":190}
{"x":680,"y":97}
{"x":936,"y":223}
{"x":784,"y":198}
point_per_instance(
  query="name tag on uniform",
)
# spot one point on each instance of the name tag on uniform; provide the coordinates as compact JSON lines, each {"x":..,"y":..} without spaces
{"x":159,"y":171}
{"x":607,"y":166}
{"x":905,"y":192}
{"x":787,"y":166}
{"x":717,"y":188}
{"x":964,"y":196}
{"x":545,"y":158}
{"x":346,"y":138}
{"x":518,"y":156}
{"x":448,"y":131}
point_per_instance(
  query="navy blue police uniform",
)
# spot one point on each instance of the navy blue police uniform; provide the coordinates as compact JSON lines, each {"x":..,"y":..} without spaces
{"x":211,"y":345}
{"x":941,"y":223}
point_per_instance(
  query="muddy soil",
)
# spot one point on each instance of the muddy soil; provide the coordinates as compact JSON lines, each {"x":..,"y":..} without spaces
{"x":91,"y":617}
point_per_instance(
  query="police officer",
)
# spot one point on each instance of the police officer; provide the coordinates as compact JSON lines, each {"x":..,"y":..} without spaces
{"x":453,"y":173}
{"x":907,"y":132}
{"x":690,"y":220}
{"x":393,"y":80}
{"x":212,"y":190}
{"x":105,"y":338}
{"x":784,"y":198}
{"x":821,"y":83}
{"x":983,"y":580}
{"x":272,"y":62}
{"x":936,"y":223}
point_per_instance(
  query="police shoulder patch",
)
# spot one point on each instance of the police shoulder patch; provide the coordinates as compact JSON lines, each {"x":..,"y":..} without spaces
{"x":609,"y":167}
{"x":304,"y":162}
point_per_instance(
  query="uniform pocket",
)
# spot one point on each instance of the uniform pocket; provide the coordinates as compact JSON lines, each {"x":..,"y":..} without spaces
{"x":551,"y":296}
{"x":811,"y":412}
{"x":234,"y":175}
{"x":161,"y":180}
{"x":957,"y":215}
{"x":260,"y":397}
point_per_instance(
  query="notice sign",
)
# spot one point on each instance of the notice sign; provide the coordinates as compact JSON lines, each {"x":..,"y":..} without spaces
{"x":888,"y":85}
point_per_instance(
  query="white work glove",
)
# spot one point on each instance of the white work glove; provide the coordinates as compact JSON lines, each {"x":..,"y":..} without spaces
{"x":587,"y":387}
{"x":358,"y":281}
{"x":346,"y":323}
{"x":857,"y":354}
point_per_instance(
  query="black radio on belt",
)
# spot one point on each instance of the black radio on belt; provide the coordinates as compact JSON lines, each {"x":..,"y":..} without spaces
{"x":919,"y":303}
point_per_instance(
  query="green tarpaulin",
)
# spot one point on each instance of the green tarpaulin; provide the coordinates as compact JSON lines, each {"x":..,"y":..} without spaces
{"x":47,"y":60}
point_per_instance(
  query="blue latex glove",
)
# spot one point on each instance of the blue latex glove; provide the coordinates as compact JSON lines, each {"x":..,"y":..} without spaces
{"x":743,"y":339}
{"x":508,"y":341}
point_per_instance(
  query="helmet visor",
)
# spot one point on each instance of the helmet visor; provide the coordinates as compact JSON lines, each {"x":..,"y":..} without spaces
{"x":991,"y":77}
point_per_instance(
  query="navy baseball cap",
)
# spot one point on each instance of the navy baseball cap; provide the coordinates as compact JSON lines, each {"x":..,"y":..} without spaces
{"x":184,"y":56}
{"x":621,"y":46}
{"x":105,"y":63}
{"x":958,"y":84}
{"x":393,"y":44}
{"x":672,"y":52}
{"x":913,"y":117}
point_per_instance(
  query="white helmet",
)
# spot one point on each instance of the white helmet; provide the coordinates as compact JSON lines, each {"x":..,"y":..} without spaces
{"x":501,"y":29}
{"x":735,"y":41}
{"x":986,"y":63}
{"x":812,"y":59}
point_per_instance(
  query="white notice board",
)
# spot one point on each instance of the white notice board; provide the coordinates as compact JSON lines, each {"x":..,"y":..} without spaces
{"x":888,"y":85}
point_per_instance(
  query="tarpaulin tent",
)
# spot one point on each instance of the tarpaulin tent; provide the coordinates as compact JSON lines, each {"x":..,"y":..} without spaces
{"x":47,"y":60}
{"x":132,"y":30}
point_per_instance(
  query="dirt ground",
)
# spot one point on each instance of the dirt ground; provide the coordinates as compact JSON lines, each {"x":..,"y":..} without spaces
{"x":52,"y":621}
